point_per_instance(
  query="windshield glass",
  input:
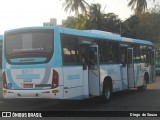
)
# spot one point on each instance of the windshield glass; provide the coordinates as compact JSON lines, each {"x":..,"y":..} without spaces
{"x":29,"y":46}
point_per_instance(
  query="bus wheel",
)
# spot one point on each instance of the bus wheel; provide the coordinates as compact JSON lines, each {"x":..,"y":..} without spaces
{"x":107,"y":92}
{"x":143,"y":87}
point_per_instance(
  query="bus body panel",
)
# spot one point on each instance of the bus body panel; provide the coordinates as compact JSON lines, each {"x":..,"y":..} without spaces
{"x":35,"y":77}
{"x":139,"y":71}
{"x":113,"y":71}
{"x":73,"y":80}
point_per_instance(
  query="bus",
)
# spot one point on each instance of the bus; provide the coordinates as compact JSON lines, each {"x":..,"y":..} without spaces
{"x":63,"y":63}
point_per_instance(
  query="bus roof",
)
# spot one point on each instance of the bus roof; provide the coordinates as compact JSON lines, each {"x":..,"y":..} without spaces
{"x":136,"y":41}
{"x":93,"y":34}
{"x":105,"y":35}
{"x":89,"y":33}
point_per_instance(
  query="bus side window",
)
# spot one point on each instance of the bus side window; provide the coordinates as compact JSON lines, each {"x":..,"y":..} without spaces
{"x":71,"y":54}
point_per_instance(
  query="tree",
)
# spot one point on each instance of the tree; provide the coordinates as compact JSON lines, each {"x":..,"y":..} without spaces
{"x":129,"y":26}
{"x":76,"y":6}
{"x":97,"y":19}
{"x":75,"y":22}
{"x":95,"y":16}
{"x":139,"y":6}
{"x":112,"y":23}
{"x":94,"y":19}
{"x":149,"y":27}
{"x":70,"y":22}
{"x":145,"y":26}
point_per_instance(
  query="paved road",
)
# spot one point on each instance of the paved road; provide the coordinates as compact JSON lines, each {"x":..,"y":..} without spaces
{"x":121,"y":101}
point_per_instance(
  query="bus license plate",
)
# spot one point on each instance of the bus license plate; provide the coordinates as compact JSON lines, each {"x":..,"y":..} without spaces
{"x":27,"y":85}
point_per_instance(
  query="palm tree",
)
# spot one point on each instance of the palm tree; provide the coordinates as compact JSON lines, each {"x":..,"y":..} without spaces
{"x":95,"y":17}
{"x":138,"y":5}
{"x":76,"y":6}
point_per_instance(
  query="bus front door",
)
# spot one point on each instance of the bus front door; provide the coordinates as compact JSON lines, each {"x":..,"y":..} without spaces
{"x":130,"y":68}
{"x":94,"y":71}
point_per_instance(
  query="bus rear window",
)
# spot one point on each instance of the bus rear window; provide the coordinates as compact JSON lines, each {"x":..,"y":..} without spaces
{"x":28,"y":47}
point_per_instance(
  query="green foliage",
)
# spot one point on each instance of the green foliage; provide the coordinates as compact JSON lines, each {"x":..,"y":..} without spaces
{"x":99,"y":20}
{"x":145,"y":26}
{"x":75,"y":22}
{"x":129,"y":26}
{"x":149,"y":26}
{"x":139,"y":6}
{"x":76,"y":6}
{"x":95,"y":19}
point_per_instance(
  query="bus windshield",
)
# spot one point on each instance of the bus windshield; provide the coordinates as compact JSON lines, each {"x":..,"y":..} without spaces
{"x":29,"y":46}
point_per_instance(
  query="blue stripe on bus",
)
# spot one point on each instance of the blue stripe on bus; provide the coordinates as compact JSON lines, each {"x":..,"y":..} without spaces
{"x":73,"y":77}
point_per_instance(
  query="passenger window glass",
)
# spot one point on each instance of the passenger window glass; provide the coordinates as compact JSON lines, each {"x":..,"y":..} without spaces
{"x":70,"y":48}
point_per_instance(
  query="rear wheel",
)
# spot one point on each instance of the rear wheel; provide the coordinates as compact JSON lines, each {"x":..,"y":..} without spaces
{"x":107,"y":92}
{"x":144,"y":86}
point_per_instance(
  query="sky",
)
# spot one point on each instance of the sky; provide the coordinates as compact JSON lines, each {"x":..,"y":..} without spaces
{"x":27,"y":13}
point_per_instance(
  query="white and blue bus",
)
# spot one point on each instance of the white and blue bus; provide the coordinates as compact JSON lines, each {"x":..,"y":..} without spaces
{"x":62,"y":63}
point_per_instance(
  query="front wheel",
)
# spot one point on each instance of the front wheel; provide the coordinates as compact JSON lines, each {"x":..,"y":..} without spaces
{"x":107,"y":92}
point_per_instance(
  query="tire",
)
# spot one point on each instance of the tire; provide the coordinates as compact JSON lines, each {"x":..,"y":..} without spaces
{"x":107,"y":92}
{"x":143,"y":87}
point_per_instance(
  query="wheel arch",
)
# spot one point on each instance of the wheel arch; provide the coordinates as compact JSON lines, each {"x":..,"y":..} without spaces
{"x":107,"y":80}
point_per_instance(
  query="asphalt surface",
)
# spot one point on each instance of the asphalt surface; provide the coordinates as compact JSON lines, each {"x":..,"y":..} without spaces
{"x":130,"y":100}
